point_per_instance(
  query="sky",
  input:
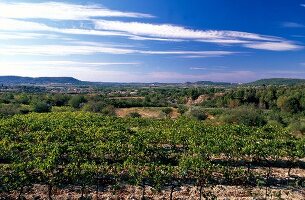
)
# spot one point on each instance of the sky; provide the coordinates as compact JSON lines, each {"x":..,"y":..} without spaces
{"x":153,"y":40}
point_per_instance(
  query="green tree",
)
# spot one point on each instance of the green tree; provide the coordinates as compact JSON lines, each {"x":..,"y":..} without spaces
{"x":41,"y":107}
{"x":289,"y":104}
{"x":77,"y":101}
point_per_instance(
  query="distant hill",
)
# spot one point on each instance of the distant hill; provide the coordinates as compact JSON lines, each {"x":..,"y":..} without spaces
{"x":278,"y":81}
{"x":18,"y":80}
{"x":211,"y":83}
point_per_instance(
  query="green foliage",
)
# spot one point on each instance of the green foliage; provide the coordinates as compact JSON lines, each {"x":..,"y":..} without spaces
{"x":72,"y":148}
{"x":278,"y":81}
{"x":194,"y":93}
{"x":289,"y":104}
{"x":182,"y":109}
{"x":167,"y":111}
{"x":23,"y":99}
{"x":77,"y":101}
{"x":297,"y":126}
{"x":246,"y":115}
{"x":9,"y":109}
{"x":41,"y":107}
{"x":135,"y":115}
{"x":62,"y":109}
{"x":95,"y":107}
{"x":198,"y":113}
{"x":6,"y":98}
{"x":60,"y":100}
{"x":108,"y":110}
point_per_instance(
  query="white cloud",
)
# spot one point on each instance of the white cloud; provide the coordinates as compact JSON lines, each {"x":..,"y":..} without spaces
{"x":274,"y":46}
{"x":133,"y":37}
{"x":171,"y":32}
{"x":198,"y":68}
{"x":27,"y":35}
{"x":61,"y":11}
{"x":21,"y":26}
{"x":190,"y":53}
{"x":63,"y":50}
{"x":143,"y":31}
{"x":303,"y":5}
{"x":178,"y":32}
{"x":65,"y":63}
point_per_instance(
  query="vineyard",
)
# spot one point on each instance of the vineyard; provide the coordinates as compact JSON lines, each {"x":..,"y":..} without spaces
{"x":94,"y":152}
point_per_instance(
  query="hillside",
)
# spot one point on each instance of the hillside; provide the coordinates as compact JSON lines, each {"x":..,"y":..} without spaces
{"x":278,"y":81}
{"x":17,"y":80}
{"x":212,"y":83}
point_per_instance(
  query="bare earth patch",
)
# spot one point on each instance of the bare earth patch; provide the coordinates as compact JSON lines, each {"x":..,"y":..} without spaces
{"x":185,"y":192}
{"x":155,"y":113}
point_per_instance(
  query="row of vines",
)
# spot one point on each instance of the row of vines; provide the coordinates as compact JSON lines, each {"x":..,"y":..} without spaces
{"x":89,"y":150}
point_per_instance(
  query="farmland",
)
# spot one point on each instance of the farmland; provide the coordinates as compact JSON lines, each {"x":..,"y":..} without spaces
{"x":164,"y":142}
{"x":97,"y":153}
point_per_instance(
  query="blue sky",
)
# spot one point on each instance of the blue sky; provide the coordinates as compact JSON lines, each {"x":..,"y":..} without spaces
{"x":153,"y":40}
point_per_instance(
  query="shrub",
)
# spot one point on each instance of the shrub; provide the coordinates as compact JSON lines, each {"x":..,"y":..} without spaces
{"x":60,"y":100}
{"x":135,"y":115}
{"x":198,"y":113}
{"x":289,"y":104}
{"x":6,"y":98}
{"x":62,"y":109}
{"x":77,"y":101}
{"x":24,"y":110}
{"x":167,"y":111}
{"x":41,"y":107}
{"x":9,"y":109}
{"x":245,"y":115}
{"x":297,"y":126}
{"x":109,"y":111}
{"x":95,"y":106}
{"x":182,"y":109}
{"x":23,"y":99}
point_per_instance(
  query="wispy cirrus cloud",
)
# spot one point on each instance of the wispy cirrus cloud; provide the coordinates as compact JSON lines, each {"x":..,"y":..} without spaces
{"x":176,"y":32}
{"x":13,"y":25}
{"x":303,"y":5}
{"x":61,"y":11}
{"x":64,"y":50}
{"x":66,"y":63}
{"x":24,"y":35}
{"x":274,"y":46}
{"x":198,"y":68}
{"x":172,"y":32}
{"x":191,"y":53}
{"x":18,"y":21}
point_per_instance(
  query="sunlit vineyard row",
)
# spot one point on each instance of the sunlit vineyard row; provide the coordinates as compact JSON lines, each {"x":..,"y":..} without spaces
{"x":90,"y":150}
